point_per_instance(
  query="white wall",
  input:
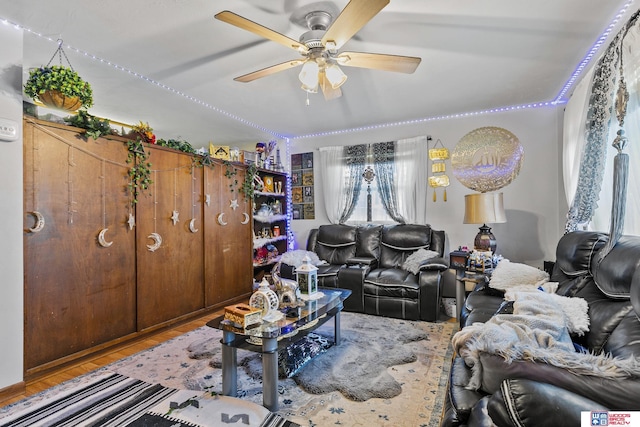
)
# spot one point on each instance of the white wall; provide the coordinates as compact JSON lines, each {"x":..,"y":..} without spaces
{"x":534,"y":201}
{"x":11,"y":282}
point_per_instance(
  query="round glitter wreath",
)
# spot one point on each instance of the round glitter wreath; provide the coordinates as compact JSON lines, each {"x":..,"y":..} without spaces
{"x":487,"y":159}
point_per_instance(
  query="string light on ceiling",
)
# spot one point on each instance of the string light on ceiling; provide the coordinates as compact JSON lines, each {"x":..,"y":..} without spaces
{"x":559,"y":99}
{"x":592,"y":52}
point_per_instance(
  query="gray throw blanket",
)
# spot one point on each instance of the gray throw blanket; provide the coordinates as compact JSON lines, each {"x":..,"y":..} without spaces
{"x":536,"y":331}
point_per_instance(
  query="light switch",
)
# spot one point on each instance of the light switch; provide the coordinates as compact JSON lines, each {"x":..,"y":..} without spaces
{"x":8,"y":130}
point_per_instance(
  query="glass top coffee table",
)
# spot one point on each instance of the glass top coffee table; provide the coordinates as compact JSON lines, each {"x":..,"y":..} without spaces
{"x":268,"y":337}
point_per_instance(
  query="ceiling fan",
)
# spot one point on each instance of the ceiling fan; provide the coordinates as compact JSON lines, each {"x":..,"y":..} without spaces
{"x":319,"y":47}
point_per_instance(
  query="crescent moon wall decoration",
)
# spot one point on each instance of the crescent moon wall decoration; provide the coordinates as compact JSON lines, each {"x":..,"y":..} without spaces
{"x":40,"y":223}
{"x":157,"y":241}
{"x":221,"y":220}
{"x":245,"y":218}
{"x":101,"y":239}
{"x":192,"y":225}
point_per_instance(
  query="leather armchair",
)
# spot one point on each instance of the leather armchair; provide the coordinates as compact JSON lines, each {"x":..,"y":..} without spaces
{"x":389,"y":290}
{"x":525,"y":393}
{"x":334,"y":244}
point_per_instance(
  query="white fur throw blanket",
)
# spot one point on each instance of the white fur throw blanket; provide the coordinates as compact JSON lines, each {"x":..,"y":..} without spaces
{"x":536,"y":331}
{"x":294,"y":258}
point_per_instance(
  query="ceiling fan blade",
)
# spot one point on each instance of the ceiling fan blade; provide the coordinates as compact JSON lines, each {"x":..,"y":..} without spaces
{"x":269,"y":70}
{"x":327,"y":90}
{"x":379,"y":61}
{"x":353,"y":17}
{"x":262,"y":31}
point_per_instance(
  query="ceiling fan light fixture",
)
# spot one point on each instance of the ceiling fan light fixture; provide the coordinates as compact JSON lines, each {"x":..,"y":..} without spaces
{"x":335,"y":75}
{"x":309,"y":76}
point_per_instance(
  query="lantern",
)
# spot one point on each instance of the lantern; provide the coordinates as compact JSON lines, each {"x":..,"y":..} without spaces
{"x":307,"y":277}
{"x":266,"y":300}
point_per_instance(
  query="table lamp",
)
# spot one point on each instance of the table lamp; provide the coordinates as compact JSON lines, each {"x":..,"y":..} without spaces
{"x":484,"y":208}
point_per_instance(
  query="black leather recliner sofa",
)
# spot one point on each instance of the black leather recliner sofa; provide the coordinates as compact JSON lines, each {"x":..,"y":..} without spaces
{"x":368,"y":260}
{"x":538,"y":394}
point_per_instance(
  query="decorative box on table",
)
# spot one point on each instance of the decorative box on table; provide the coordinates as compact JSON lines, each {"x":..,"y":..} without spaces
{"x":242,"y":315}
{"x":459,"y":259}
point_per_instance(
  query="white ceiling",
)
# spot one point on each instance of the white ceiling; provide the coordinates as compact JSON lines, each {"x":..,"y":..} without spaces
{"x":476,"y":55}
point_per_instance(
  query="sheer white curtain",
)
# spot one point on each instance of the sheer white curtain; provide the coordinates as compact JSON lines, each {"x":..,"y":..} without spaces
{"x":575,"y":116}
{"x":412,"y":160}
{"x":632,"y":128}
{"x":333,"y":176}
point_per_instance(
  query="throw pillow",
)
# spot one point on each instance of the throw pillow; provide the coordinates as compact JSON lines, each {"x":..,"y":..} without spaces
{"x":413,"y":261}
{"x":508,"y":274}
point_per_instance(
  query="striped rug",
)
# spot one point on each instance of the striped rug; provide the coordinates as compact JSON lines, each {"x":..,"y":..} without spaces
{"x":114,"y":400}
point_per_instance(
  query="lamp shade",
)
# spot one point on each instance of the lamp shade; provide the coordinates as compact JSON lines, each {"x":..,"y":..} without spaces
{"x":484,"y":208}
{"x":335,"y":76}
{"x":309,"y":76}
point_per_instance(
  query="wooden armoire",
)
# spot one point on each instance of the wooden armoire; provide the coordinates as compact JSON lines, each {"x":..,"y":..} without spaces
{"x":100,"y":268}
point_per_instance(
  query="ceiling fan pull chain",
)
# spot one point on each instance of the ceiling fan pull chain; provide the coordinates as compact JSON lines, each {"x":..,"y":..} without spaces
{"x":307,"y":99}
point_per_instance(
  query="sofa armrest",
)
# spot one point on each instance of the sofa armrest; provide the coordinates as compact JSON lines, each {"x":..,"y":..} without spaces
{"x":430,"y":283}
{"x":352,"y":277}
{"x":438,"y":264}
{"x":461,"y":399}
{"x":520,"y":399}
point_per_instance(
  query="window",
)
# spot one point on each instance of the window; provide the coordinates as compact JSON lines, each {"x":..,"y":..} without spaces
{"x":378,"y":213}
{"x":403,"y":186}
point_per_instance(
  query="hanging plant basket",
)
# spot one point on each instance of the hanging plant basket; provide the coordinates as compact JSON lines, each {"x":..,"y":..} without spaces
{"x":60,"y":101}
{"x":59,"y":86}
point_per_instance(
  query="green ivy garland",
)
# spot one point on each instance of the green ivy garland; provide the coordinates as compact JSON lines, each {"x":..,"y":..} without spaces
{"x":93,"y":126}
{"x":177,"y":144}
{"x":246,"y":187}
{"x":140,"y":171}
{"x":230,"y":172}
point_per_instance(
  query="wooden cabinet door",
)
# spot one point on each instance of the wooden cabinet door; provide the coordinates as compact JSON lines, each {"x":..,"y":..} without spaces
{"x":228,"y":235}
{"x":170,"y":277}
{"x":78,"y":293}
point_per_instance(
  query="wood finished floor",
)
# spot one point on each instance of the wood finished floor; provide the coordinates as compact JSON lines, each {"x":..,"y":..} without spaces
{"x":117,"y":353}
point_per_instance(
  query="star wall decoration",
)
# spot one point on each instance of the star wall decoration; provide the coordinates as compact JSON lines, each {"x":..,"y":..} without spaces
{"x":131,"y":221}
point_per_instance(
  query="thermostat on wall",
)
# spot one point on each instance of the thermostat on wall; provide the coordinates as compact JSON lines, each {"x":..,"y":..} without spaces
{"x":8,"y":130}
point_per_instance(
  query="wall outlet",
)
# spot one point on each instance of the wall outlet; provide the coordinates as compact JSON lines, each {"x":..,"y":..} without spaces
{"x":8,"y":130}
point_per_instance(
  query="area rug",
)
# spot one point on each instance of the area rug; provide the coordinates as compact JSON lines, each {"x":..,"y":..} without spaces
{"x":108,"y":399}
{"x":400,"y":367}
{"x":386,"y":372}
